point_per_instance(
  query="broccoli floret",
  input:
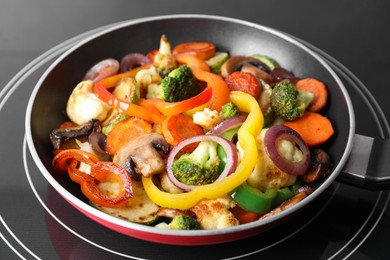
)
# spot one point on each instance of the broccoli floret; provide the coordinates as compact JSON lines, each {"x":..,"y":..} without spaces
{"x":287,"y":102}
{"x":183,"y":222}
{"x":229,"y":110}
{"x":200,"y":167}
{"x":180,"y":84}
{"x":164,"y":62}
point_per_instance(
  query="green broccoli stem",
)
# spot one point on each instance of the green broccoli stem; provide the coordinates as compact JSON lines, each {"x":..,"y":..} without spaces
{"x":305,"y":98}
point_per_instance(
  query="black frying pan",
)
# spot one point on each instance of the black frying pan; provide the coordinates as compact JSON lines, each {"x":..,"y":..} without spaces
{"x":46,"y":110}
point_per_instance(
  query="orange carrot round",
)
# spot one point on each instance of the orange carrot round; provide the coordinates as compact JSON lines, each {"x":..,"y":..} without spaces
{"x":319,"y":90}
{"x":314,"y":128}
{"x":178,"y":127}
{"x":125,"y":131}
{"x":203,"y":50}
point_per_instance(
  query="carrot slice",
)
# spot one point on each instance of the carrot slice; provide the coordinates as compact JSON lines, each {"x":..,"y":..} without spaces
{"x":314,"y":128}
{"x":244,"y":216}
{"x":203,"y":50}
{"x":124,"y":132}
{"x":319,"y":90}
{"x":178,"y":127}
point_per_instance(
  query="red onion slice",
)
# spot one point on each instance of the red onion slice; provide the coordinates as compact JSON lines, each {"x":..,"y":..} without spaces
{"x":133,"y":60}
{"x":228,"y":124}
{"x":102,"y":69}
{"x":98,"y":143}
{"x":272,"y":139}
{"x":229,"y":148}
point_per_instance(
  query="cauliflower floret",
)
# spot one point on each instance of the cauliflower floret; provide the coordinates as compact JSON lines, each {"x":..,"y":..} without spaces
{"x":83,"y":105}
{"x":215,"y":214}
{"x":266,"y":175}
{"x":289,"y":151}
{"x":167,"y":185}
{"x":146,"y":77}
{"x":207,"y":118}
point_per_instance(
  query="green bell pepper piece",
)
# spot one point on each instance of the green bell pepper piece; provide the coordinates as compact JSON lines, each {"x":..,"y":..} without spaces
{"x":229,"y":135}
{"x":254,"y":200}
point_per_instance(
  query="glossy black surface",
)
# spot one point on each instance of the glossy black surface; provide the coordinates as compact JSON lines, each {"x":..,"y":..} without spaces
{"x":346,"y":221}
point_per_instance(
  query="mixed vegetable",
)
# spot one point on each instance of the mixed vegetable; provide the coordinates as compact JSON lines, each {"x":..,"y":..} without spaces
{"x":193,"y":138}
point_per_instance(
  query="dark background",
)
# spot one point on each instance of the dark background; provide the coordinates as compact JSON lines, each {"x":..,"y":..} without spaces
{"x":356,"y":33}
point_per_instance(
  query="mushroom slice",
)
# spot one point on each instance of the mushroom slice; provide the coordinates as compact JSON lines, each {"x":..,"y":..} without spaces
{"x":60,"y":135}
{"x":320,"y":166}
{"x":260,"y":74}
{"x":235,"y":63}
{"x":142,"y":155}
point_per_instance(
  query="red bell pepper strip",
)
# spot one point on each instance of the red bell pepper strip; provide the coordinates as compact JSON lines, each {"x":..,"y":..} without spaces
{"x":70,"y":160}
{"x":62,"y":159}
{"x":174,"y":108}
{"x":200,"y":69}
{"x":100,"y":90}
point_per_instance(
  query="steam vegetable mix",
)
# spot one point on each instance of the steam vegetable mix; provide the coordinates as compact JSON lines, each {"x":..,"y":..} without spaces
{"x":183,"y":130}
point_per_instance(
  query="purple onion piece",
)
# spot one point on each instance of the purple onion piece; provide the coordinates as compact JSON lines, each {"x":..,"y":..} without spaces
{"x":229,"y":148}
{"x":273,"y":138}
{"x":98,"y":142}
{"x":133,"y":60}
{"x":228,"y":124}
{"x":279,"y":74}
{"x":102,"y":70}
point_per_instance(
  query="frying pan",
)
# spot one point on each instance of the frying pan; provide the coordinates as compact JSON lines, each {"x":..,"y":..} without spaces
{"x":357,"y":160}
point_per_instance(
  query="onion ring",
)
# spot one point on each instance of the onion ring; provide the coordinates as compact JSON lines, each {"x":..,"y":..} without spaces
{"x":103,"y":69}
{"x":229,"y":148}
{"x":272,"y":139}
{"x":228,"y":124}
{"x":132,"y":60}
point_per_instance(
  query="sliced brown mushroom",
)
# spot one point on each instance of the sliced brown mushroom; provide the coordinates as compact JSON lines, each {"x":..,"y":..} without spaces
{"x":320,"y":166}
{"x":171,"y":213}
{"x":60,"y":136}
{"x":235,"y":63}
{"x":260,"y":74}
{"x":302,"y":193}
{"x":142,"y":155}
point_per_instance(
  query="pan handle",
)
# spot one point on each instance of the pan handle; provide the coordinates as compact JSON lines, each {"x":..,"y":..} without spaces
{"x":368,"y":165}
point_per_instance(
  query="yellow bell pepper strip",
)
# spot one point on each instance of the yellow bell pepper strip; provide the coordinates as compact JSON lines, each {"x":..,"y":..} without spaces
{"x":100,"y":90}
{"x":246,"y":137}
{"x":201,"y":71}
